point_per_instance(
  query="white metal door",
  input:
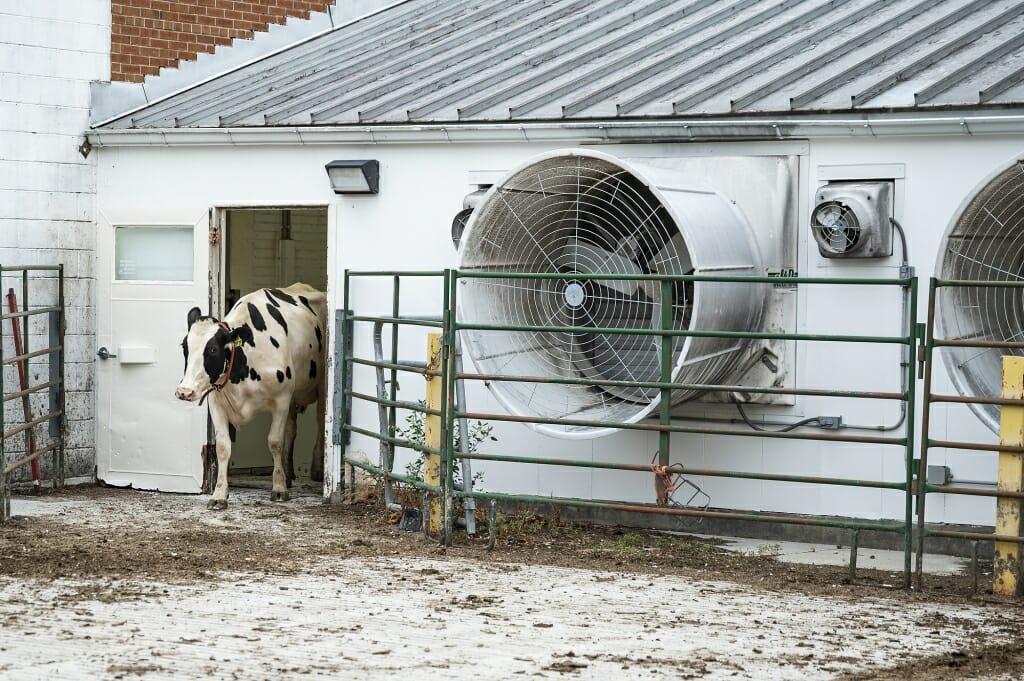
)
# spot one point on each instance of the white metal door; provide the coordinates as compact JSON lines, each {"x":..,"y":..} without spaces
{"x":148,"y":277}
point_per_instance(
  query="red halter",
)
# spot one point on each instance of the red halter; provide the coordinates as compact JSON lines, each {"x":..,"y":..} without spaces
{"x":227,"y":376}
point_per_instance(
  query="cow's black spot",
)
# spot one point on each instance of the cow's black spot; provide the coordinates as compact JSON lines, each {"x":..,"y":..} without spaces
{"x":184,"y":347}
{"x":271,"y":298}
{"x":305,"y":301}
{"x":232,"y":431}
{"x":273,"y":341}
{"x":280,"y":376}
{"x":240,"y":367}
{"x":319,"y":339}
{"x":278,"y":293}
{"x":215,"y":355}
{"x":310,"y":346}
{"x":254,"y":375}
{"x":288,"y":372}
{"x":312,"y":369}
{"x":278,"y":317}
{"x":256,"y":318}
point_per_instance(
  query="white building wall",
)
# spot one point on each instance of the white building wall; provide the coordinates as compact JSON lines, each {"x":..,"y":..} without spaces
{"x":406,"y":227}
{"x":49,"y":52}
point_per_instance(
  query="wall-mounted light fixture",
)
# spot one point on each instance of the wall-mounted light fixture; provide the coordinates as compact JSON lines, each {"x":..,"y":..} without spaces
{"x":354,"y":177}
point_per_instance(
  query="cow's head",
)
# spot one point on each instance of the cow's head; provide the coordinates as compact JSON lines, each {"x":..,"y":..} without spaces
{"x":207,"y":347}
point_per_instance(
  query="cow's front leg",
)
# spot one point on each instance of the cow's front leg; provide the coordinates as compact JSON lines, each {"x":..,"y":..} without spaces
{"x":275,"y":441}
{"x":219,"y":500}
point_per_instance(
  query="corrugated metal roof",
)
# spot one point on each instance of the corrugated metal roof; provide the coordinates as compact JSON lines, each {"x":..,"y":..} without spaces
{"x":440,"y":61}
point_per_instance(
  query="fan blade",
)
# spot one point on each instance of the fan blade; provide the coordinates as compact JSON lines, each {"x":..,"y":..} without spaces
{"x":837,"y":240}
{"x":586,"y":258}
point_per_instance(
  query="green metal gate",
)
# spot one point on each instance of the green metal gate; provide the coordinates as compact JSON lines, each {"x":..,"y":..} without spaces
{"x":52,"y":311}
{"x":448,"y":323}
{"x":930,"y":398}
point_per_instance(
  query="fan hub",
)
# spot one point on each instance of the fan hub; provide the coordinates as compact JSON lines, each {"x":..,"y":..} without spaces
{"x":574,"y":294}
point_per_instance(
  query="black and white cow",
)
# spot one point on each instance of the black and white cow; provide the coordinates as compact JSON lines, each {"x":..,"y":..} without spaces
{"x":267,"y":355}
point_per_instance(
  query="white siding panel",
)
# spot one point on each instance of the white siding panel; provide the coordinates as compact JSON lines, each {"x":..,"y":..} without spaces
{"x":49,"y":52}
{"x":35,"y":89}
{"x":57,"y":34}
{"x":19,"y":116}
{"x":43,"y":147}
{"x":40,"y":176}
{"x":44,"y":61}
{"x":81,"y":11}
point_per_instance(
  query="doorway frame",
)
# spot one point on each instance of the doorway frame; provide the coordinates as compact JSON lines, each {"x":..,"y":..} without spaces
{"x":215,"y":286}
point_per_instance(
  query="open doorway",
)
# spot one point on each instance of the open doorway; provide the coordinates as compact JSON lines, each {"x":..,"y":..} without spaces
{"x":270,"y":248}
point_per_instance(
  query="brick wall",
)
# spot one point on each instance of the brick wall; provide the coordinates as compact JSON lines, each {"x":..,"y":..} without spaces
{"x":147,"y":35}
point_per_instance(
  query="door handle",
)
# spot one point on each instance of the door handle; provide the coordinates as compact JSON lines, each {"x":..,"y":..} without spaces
{"x":103,"y":353}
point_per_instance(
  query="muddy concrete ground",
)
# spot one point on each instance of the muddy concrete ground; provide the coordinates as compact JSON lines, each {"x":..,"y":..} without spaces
{"x":126,"y":584}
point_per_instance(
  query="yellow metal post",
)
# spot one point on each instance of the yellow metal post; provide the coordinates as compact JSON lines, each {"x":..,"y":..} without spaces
{"x":1011,"y":475}
{"x":432,"y":434}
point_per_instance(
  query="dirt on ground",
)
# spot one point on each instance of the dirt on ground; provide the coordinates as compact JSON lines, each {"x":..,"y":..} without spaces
{"x":280,"y":539}
{"x":143,"y":537}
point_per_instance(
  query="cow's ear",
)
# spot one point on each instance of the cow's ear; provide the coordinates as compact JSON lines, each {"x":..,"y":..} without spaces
{"x":242,"y":334}
{"x":193,"y":316}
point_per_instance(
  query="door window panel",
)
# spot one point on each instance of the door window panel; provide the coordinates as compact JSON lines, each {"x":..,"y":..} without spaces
{"x":153,"y":253}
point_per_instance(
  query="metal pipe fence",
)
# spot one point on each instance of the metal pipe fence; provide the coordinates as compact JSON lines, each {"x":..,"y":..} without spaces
{"x":54,"y":385}
{"x":661,"y":421}
{"x":933,"y":342}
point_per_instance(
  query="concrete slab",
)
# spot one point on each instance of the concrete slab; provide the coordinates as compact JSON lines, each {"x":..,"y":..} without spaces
{"x":44,"y":506}
{"x":822,"y":554}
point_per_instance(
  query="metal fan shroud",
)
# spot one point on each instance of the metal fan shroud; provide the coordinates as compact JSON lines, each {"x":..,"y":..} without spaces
{"x":587,"y":212}
{"x":985,"y":242}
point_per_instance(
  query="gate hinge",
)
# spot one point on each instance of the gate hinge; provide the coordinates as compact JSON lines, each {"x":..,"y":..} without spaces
{"x":214,"y":235}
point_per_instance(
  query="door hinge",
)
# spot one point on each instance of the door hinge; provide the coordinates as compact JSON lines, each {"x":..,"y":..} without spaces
{"x":214,"y":235}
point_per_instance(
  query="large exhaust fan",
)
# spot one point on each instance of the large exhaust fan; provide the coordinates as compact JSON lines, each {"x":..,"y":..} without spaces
{"x":586,"y":212}
{"x":985,"y":242}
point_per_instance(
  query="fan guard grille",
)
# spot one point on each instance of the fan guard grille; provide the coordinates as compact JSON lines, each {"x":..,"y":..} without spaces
{"x":836,"y":227}
{"x":586,"y":213}
{"x":984,"y":243}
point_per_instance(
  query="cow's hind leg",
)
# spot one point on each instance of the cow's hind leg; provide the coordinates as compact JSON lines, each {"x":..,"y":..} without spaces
{"x":316,"y":468}
{"x":275,"y":441}
{"x":289,"y":444}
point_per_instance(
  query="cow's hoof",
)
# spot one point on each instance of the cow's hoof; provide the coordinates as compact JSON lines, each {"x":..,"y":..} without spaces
{"x":217,"y":504}
{"x":289,"y":482}
{"x":279,"y":496}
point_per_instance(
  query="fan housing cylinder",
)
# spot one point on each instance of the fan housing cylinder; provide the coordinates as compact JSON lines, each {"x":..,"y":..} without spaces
{"x":581,"y":212}
{"x":984,"y":242}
